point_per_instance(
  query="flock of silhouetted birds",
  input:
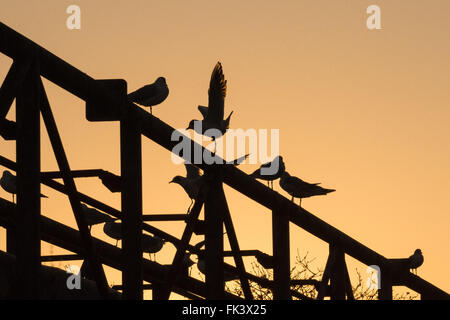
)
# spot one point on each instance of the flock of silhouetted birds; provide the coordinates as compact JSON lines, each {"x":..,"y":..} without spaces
{"x":213,"y":118}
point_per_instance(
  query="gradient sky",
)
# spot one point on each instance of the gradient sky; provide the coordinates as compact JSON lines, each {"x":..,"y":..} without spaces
{"x":364,"y":112}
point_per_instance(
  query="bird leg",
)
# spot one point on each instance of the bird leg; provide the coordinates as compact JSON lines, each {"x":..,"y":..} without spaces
{"x":189,"y":209}
{"x":292,"y":199}
{"x":300,"y":204}
{"x":13,"y":197}
{"x":151,"y":111}
{"x":117,"y":242}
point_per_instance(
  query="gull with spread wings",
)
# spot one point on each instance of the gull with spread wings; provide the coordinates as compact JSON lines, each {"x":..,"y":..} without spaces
{"x":191,"y":183}
{"x":213,"y":114}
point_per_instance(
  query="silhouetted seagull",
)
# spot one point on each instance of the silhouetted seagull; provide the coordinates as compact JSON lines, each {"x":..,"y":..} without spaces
{"x":113,"y":230}
{"x":238,"y":161}
{"x":93,"y":216}
{"x":151,"y":94}
{"x":225,"y":123}
{"x":298,"y":188}
{"x":201,"y":265}
{"x":111,"y":181}
{"x":150,"y":244}
{"x":191,"y":183}
{"x":415,"y":260}
{"x":8,"y":182}
{"x":277,"y":162}
{"x":215,"y":111}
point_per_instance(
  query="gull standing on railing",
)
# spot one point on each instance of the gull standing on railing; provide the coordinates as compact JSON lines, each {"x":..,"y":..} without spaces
{"x":151,"y":94}
{"x":298,"y":188}
{"x":8,"y":182}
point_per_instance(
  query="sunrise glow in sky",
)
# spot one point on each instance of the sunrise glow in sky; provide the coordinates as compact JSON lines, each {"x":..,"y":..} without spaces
{"x":365,"y":112}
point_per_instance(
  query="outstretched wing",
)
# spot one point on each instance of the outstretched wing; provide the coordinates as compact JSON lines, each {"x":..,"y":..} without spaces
{"x":203,"y":110}
{"x":192,"y":171}
{"x":217,"y":92}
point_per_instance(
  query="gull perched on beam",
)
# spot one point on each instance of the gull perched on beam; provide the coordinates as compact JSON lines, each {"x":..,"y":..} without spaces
{"x":94,"y":216}
{"x":201,"y":264}
{"x":191,"y":183}
{"x":150,"y":244}
{"x":8,"y":182}
{"x":151,"y":94}
{"x":213,"y":115}
{"x":415,"y":260}
{"x":111,"y":181}
{"x":298,"y":188}
{"x":266,"y":173}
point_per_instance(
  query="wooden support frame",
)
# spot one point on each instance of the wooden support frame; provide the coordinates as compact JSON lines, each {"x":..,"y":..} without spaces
{"x":70,"y":187}
{"x":234,"y":244}
{"x":28,"y":244}
{"x":336,"y":273}
{"x":177,"y":262}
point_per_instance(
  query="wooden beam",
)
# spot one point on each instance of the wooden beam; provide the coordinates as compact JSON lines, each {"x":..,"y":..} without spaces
{"x":73,"y":174}
{"x":61,"y":257}
{"x":164,"y":217}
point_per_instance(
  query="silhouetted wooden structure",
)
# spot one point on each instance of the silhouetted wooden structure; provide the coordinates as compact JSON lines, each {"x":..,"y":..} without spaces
{"x":106,"y":101}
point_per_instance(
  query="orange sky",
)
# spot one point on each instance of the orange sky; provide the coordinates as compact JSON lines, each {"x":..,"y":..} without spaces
{"x":364,"y":112}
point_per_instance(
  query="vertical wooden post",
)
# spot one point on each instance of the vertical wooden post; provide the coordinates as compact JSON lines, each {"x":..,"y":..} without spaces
{"x":385,"y":291}
{"x":131,"y":171}
{"x":28,"y":244}
{"x":281,"y":256}
{"x":338,"y":274}
{"x":215,"y":283}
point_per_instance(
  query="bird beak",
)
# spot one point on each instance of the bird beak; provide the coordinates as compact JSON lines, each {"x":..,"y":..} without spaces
{"x":170,"y":181}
